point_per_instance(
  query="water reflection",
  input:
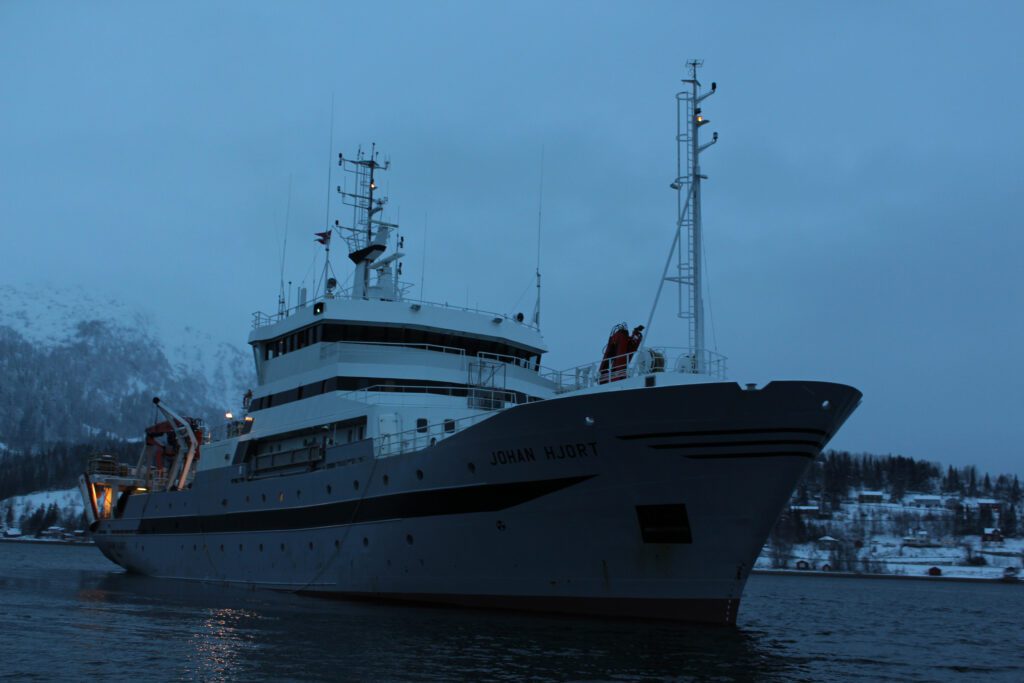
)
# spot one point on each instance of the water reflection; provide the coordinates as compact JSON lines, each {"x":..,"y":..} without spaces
{"x":215,"y":633}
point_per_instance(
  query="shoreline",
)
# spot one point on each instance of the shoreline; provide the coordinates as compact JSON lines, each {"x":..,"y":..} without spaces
{"x":46,"y":541}
{"x":861,"y":575}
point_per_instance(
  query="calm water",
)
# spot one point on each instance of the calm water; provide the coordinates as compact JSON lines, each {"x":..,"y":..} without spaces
{"x":65,"y":612}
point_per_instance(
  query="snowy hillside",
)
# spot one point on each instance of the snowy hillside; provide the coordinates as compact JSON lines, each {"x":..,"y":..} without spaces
{"x":73,"y":366}
{"x":870,"y":533}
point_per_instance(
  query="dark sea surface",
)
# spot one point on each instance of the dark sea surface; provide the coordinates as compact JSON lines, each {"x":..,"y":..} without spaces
{"x":66,"y":613}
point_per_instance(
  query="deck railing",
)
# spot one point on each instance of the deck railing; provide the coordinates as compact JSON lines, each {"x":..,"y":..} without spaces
{"x":261,"y":319}
{"x":418,"y":438}
{"x":648,"y":360}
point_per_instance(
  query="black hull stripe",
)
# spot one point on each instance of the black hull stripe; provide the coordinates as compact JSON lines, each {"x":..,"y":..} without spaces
{"x":732,"y":444}
{"x":450,"y":501}
{"x":752,"y":456}
{"x":725,"y":432}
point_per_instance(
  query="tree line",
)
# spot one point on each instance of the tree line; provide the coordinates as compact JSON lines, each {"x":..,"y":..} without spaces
{"x":55,"y":466}
{"x":836,"y":474}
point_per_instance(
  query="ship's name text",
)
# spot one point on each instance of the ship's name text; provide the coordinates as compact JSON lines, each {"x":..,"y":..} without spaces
{"x":557,"y":452}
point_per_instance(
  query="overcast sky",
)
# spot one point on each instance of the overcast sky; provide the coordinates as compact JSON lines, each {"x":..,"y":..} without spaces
{"x":862,"y":215}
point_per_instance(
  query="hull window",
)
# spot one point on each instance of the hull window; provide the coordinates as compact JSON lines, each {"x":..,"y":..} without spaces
{"x":664,"y":523}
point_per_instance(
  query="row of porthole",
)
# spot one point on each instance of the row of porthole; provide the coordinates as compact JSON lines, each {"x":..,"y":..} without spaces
{"x":355,"y":485}
{"x":241,"y":547}
{"x":170,"y":506}
{"x":298,"y":492}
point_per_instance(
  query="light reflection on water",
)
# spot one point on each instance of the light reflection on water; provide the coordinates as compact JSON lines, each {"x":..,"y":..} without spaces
{"x":108,"y":624}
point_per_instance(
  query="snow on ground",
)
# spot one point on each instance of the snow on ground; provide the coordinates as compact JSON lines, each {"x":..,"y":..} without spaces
{"x":24,"y":505}
{"x":881,"y":531}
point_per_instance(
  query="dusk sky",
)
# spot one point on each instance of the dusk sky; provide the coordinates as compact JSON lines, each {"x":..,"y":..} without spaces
{"x":862,"y":214}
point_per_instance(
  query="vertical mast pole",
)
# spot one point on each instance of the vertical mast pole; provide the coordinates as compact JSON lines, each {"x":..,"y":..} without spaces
{"x":695,"y":260}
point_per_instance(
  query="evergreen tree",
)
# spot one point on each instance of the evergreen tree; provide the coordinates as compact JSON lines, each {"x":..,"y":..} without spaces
{"x":1008,"y":520}
{"x":985,"y":520}
{"x":986,"y":485}
{"x":9,"y":516}
{"x":1015,"y":491}
{"x":951,"y":484}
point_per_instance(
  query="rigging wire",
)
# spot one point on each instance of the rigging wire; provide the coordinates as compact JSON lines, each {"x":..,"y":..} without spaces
{"x":707,"y":279}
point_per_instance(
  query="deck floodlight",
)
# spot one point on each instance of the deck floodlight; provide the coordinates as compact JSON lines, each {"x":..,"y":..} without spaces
{"x":497,"y":319}
{"x":415,"y":307}
{"x":701,"y":120}
{"x":228,"y":415}
{"x":676,"y":185}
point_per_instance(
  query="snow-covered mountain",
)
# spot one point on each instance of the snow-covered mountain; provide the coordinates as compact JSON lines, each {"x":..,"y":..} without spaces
{"x":75,"y":365}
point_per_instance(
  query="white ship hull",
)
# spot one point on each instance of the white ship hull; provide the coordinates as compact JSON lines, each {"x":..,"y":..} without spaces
{"x":648,"y":502}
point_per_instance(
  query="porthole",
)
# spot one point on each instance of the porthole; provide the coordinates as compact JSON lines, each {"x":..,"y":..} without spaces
{"x":298,"y":493}
{"x":222,"y":547}
{"x":366,"y":541}
{"x":328,"y":489}
{"x":224,"y":502}
{"x":471,"y":467}
{"x":355,"y":484}
{"x":311,"y":545}
{"x":337,"y":543}
{"x":247,"y":499}
{"x":263,"y":497}
{"x":261,"y":547}
{"x":282,"y":547}
{"x":419,"y":474}
{"x":385,"y":479}
{"x":240,"y":547}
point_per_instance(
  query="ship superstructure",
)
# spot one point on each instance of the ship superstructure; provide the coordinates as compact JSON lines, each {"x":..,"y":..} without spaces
{"x":400,"y":449}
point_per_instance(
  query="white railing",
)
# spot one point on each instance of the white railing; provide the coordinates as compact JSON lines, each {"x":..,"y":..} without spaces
{"x":329,"y":347}
{"x":648,"y":360}
{"x":261,"y":319}
{"x":503,"y":358}
{"x":392,"y":394}
{"x":418,"y":438}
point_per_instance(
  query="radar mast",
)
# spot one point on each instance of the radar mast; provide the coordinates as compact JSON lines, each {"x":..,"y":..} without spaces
{"x":367,"y":237}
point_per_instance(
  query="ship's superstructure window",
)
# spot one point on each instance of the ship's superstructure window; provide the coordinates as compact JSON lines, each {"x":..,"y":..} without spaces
{"x":381,"y":384}
{"x":421,"y":425}
{"x":436,"y":340}
{"x":449,"y":425}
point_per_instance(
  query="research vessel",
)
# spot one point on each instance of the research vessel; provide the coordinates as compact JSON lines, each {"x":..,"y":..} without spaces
{"x":396,"y":449}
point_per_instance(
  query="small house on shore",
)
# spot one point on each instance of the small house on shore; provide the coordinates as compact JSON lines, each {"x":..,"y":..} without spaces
{"x":870,"y":497}
{"x":828,"y":543}
{"x":991,"y":535}
{"x":927,"y":501}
